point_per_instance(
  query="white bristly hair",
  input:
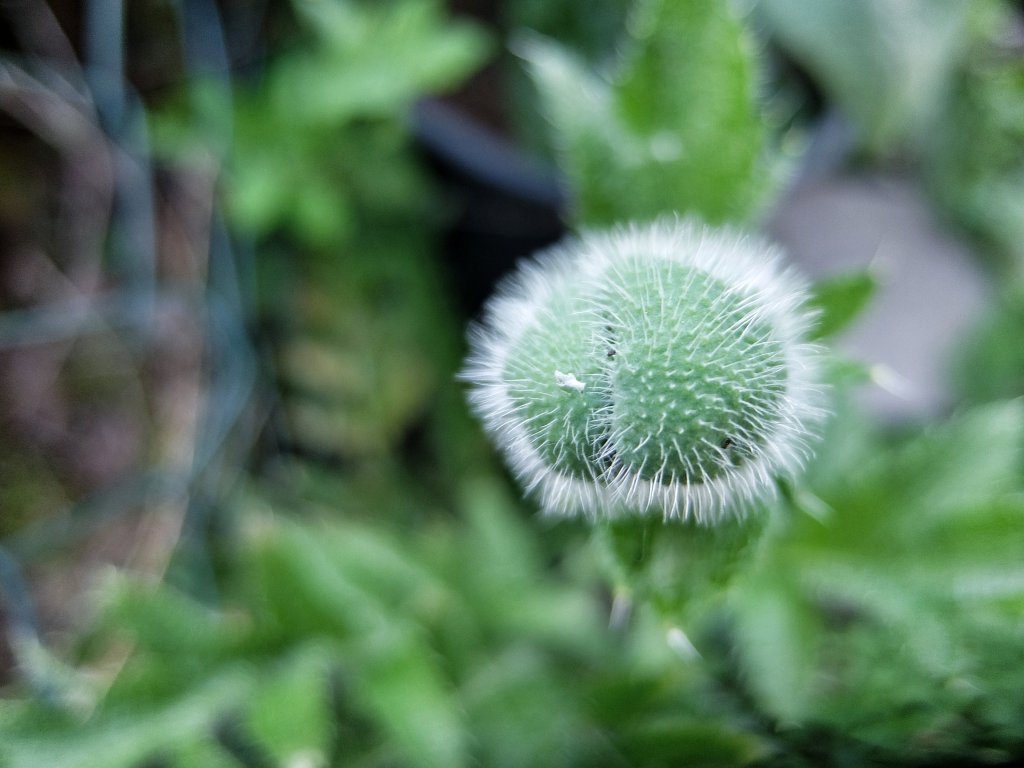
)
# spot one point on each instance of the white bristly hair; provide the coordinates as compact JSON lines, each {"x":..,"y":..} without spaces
{"x":589,"y":269}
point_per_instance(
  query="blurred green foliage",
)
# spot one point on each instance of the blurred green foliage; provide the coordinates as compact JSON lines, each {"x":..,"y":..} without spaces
{"x":975,"y":159}
{"x":992,"y":364}
{"x":936,"y":82}
{"x":320,"y":147}
{"x":388,"y":605}
{"x":673,"y":127}
{"x":893,"y":615}
{"x":887,"y":63}
{"x":352,"y":642}
{"x":323,"y":177}
{"x":591,"y":31}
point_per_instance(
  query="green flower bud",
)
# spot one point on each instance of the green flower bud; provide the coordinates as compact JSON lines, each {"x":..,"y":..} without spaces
{"x":650,"y":368}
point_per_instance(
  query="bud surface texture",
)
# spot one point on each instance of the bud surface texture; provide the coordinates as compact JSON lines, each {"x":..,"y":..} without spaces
{"x":660,"y":369}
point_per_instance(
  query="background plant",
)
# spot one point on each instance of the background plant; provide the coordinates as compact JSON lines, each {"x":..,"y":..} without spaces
{"x":369,"y":589}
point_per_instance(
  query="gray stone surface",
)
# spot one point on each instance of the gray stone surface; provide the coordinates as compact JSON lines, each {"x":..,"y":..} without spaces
{"x":931,"y":288}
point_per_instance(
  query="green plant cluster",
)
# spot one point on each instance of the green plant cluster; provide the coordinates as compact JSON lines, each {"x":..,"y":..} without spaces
{"x":385,"y":598}
{"x":354,"y":643}
{"x":322,"y":177}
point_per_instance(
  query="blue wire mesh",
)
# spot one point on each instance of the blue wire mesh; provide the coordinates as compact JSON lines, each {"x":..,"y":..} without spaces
{"x":130,"y":263}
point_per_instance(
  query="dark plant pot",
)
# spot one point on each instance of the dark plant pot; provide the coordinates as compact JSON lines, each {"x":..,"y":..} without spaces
{"x":506,"y":204}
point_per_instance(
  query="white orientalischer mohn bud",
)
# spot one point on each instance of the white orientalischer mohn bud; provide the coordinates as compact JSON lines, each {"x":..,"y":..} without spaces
{"x":659,"y":368}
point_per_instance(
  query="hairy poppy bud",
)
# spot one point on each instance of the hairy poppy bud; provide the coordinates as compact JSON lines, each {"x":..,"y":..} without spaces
{"x":655,"y":368}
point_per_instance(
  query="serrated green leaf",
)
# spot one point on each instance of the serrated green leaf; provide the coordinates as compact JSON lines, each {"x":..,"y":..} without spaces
{"x":501,"y":576}
{"x":314,"y":585}
{"x":374,"y":60}
{"x":675,"y":128}
{"x":383,"y":566}
{"x":942,"y":477}
{"x":496,"y":538}
{"x":687,"y":93}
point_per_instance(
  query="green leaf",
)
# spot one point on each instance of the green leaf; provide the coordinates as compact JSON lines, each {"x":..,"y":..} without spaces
{"x":320,"y":212}
{"x":905,"y":596}
{"x":522,"y":711}
{"x":991,"y":364}
{"x":975,"y":162}
{"x":498,"y":546}
{"x":258,"y":190}
{"x":125,"y":738}
{"x":941,"y":477}
{"x":683,"y":740}
{"x":204,"y":753}
{"x":288,"y":714}
{"x":375,"y":59}
{"x":591,"y":142}
{"x":675,"y":128}
{"x":501,"y":573}
{"x":166,"y":621}
{"x":777,"y":640}
{"x":888,"y":63}
{"x":301,"y":591}
{"x":687,"y":94}
{"x":383,"y":566}
{"x":839,"y":300}
{"x":351,"y":587}
{"x":399,"y":678}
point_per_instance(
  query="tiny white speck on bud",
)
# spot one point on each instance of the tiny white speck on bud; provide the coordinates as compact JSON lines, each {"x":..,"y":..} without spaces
{"x":701,"y":387}
{"x":569,"y":381}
